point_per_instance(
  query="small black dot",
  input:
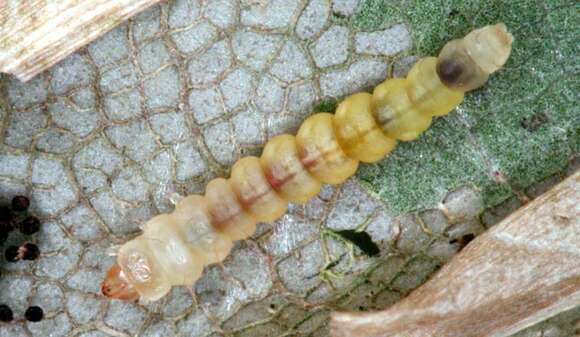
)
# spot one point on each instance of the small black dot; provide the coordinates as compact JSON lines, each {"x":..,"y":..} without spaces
{"x":29,"y":225}
{"x":5,"y":219}
{"x":535,"y":122}
{"x":34,"y":314}
{"x":11,"y":254}
{"x":31,"y":251}
{"x":453,"y":12}
{"x":20,"y":203}
{"x":6,"y":314}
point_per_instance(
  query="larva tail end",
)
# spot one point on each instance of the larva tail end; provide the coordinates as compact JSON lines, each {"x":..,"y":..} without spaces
{"x":490,"y":46}
{"x":506,"y":36}
{"x":465,"y":64}
{"x":115,"y":285}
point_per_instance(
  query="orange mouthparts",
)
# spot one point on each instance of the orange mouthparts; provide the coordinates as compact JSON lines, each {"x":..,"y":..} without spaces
{"x":115,"y":285}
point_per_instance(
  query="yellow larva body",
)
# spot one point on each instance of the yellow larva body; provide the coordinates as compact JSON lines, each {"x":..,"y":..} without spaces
{"x":327,"y":149}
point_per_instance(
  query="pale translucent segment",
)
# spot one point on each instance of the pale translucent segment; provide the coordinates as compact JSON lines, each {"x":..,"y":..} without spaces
{"x":227,"y":214}
{"x":254,"y":192}
{"x":489,"y":46}
{"x":395,"y":112}
{"x":285,"y":171}
{"x":320,"y":151}
{"x":194,"y":224}
{"x":427,"y":93}
{"x":357,"y":131}
{"x":181,"y":264}
{"x":142,"y":270}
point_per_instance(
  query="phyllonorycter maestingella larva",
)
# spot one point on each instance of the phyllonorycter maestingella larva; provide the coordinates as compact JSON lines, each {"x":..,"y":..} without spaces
{"x":174,"y":248}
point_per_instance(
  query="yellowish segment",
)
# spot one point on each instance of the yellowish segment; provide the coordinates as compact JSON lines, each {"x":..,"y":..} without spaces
{"x":357,"y":131}
{"x":285,"y":171}
{"x":395,"y":112}
{"x":457,"y":70}
{"x":427,"y":93}
{"x":142,"y":269}
{"x":228,"y":216}
{"x":320,"y":151}
{"x":194,"y":224}
{"x":254,"y":192}
{"x":171,"y":251}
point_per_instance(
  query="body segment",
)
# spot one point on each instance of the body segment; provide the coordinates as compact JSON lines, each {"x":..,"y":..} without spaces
{"x":357,"y":131}
{"x":327,"y":149}
{"x":395,"y":112}
{"x":320,"y":151}
{"x":286,"y":172}
{"x":228,"y":215}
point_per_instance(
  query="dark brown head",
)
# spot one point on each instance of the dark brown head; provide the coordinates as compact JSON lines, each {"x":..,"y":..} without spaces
{"x":115,"y":285}
{"x":457,"y":70}
{"x":450,"y":71}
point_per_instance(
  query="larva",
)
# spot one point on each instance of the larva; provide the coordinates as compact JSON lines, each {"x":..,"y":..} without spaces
{"x":174,"y":248}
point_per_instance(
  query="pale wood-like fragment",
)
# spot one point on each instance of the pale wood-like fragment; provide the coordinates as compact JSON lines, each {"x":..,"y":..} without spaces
{"x":523,"y":271}
{"x":36,"y":34}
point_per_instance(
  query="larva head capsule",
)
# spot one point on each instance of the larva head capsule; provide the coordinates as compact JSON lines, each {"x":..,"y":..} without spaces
{"x":117,"y":286}
{"x":137,"y":274}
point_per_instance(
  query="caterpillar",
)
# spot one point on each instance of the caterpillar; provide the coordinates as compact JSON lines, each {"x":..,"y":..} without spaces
{"x":174,"y":248}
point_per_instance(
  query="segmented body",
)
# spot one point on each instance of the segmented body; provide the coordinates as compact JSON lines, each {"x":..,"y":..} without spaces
{"x":174,"y":248}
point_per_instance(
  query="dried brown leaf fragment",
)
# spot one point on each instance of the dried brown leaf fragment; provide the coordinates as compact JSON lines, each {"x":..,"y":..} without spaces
{"x":36,"y":34}
{"x":522,"y":271}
